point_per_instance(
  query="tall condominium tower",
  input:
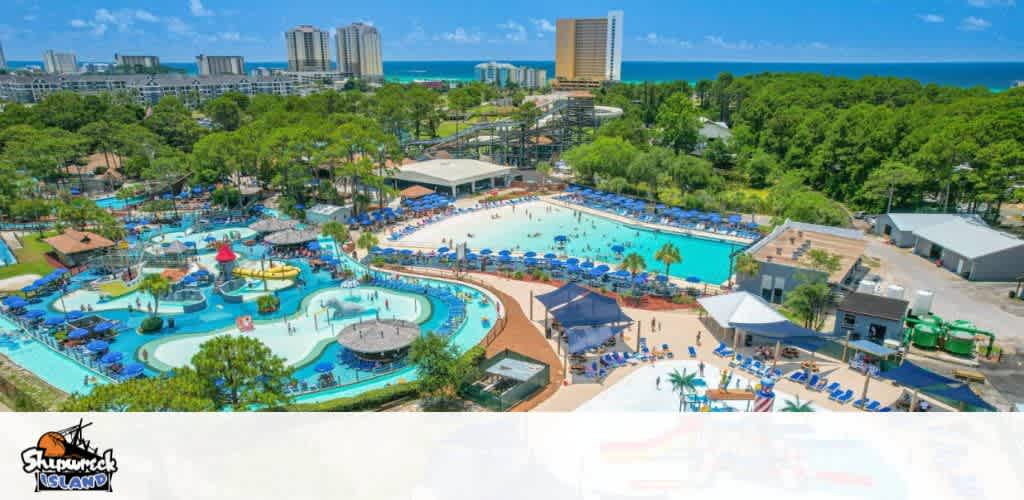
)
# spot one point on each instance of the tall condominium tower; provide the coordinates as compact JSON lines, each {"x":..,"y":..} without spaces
{"x":359,"y":51}
{"x":3,"y":60}
{"x":140,"y":62}
{"x":309,"y":49}
{"x":60,"y":63}
{"x":220,"y":65}
{"x":589,"y":51}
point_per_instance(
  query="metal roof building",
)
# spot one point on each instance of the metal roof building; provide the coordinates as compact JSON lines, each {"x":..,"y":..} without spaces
{"x":973,"y":251}
{"x":457,"y":176}
{"x":900,"y":227}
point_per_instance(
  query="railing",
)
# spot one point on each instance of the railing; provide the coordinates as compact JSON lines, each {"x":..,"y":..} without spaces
{"x":54,"y":345}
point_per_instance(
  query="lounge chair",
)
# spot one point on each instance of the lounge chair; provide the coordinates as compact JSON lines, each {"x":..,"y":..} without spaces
{"x":820,"y":386}
{"x":834,"y":395}
{"x":693,"y":352}
{"x":734,"y":361}
{"x":874,"y":406}
{"x":845,"y":397}
{"x":746,"y":364}
{"x":860,"y":402}
{"x":813,"y":381}
{"x":754,"y":368}
{"x":776,"y":373}
{"x":885,"y":410}
{"x":831,"y":387}
{"x":797,"y":376}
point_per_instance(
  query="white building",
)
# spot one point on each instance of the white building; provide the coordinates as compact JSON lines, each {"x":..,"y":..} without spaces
{"x":456,"y":176}
{"x":220,"y":65}
{"x":614,"y":50}
{"x":503,"y":74}
{"x":60,"y":63}
{"x":308,"y":49}
{"x":359,"y":53}
{"x":3,"y":60}
{"x":141,"y":62}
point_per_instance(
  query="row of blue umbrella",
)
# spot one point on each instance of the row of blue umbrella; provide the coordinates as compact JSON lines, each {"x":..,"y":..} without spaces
{"x":639,"y":205}
{"x":45,"y":281}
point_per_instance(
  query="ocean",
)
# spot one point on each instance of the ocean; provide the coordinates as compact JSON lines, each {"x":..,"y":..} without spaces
{"x":993,"y":75}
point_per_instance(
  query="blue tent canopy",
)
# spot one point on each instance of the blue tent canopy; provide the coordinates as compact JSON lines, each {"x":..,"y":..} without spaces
{"x":582,"y":339}
{"x":910,"y":375}
{"x":961,"y":393}
{"x":780,"y":330}
{"x":562,"y":296}
{"x":590,"y":310}
{"x":73,"y":315}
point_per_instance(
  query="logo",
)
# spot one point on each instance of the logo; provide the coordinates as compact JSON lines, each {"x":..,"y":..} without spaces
{"x":65,"y":461}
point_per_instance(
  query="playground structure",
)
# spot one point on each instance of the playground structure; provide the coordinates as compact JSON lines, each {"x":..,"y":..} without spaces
{"x":274,"y":272}
{"x":958,"y":337}
{"x":244,"y":323}
{"x":344,"y":309}
{"x":565,"y":123}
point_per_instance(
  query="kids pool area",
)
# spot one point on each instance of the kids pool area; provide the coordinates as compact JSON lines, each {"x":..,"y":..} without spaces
{"x":534,"y":226}
{"x":314,"y":308}
{"x":641,"y":392}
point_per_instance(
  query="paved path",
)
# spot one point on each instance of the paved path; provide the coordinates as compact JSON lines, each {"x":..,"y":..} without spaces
{"x":984,"y":304}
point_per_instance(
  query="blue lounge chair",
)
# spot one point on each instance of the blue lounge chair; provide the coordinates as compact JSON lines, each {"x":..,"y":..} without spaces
{"x":860,"y":402}
{"x":873,"y":406}
{"x":820,"y":386}
{"x":845,"y":397}
{"x":831,"y":387}
{"x":796,"y":376}
{"x":813,"y":381}
{"x":885,"y":410}
{"x":753,"y":368}
{"x":776,"y":373}
{"x":693,"y":352}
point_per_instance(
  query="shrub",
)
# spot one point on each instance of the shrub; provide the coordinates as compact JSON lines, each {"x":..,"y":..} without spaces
{"x":369,"y":400}
{"x":518,"y":275}
{"x":683,"y":298}
{"x":268,"y":303}
{"x":151,"y":324}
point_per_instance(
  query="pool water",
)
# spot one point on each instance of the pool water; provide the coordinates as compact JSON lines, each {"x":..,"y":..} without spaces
{"x":239,"y":233}
{"x":533,"y":227}
{"x":56,"y":369}
{"x":6,"y":257}
{"x":115,"y":203}
{"x":312,"y":343}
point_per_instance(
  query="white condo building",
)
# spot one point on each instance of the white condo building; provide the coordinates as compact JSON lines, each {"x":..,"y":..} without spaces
{"x":309,"y":49}
{"x":60,"y":63}
{"x":220,"y":65}
{"x":3,"y":60}
{"x":359,"y":53}
{"x":614,"y":51}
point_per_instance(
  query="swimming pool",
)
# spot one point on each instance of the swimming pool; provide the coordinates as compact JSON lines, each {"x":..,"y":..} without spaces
{"x":115,"y":203}
{"x":55,"y":368}
{"x":639,"y":391}
{"x":533,"y":226}
{"x":312,"y":342}
{"x":6,"y":256}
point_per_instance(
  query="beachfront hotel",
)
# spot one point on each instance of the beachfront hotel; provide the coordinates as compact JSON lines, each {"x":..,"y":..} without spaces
{"x":60,"y":63}
{"x":308,"y":49}
{"x":588,"y":51}
{"x":359,"y":53}
{"x":220,"y":65}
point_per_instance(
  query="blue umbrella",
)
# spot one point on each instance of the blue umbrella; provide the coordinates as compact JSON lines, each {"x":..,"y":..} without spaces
{"x":530,"y":261}
{"x":596,"y":273}
{"x":620,"y":274}
{"x":561,"y":238}
{"x":692,"y":279}
{"x":388,"y":251}
{"x":209,"y":238}
{"x":73,"y":315}
{"x":53,"y":320}
{"x":550,"y":256}
{"x":486,"y":251}
{"x":15,"y":302}
{"x":618,"y":248}
{"x":133,"y":370}
{"x":735,"y":219}
{"x":406,"y":251}
{"x":603,"y":267}
{"x":587,"y":264}
{"x":324,"y":367}
{"x":190,"y":244}
{"x":102,"y":327}
{"x":33,"y":314}
{"x":313,"y":245}
{"x":530,"y":254}
{"x":30,"y":288}
{"x":443,"y":250}
{"x":97,"y":346}
{"x":505,"y":253}
{"x":572,"y":267}
{"x":572,"y":261}
{"x":471,"y":256}
{"x":78,"y":333}
{"x":505,"y":258}
{"x":662,"y":278}
{"x":111,"y":358}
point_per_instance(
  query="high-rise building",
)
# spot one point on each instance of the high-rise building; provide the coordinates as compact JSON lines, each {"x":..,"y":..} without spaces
{"x":359,"y":52}
{"x":220,"y":65}
{"x":503,"y":74}
{"x":3,"y":60}
{"x":137,"y":62}
{"x":588,"y":51}
{"x":60,"y":63}
{"x":309,"y":49}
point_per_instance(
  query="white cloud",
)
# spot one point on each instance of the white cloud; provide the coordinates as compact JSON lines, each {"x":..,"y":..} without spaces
{"x":972,"y":23}
{"x":144,"y":15}
{"x":655,"y":39}
{"x":514,"y":31}
{"x":460,"y":36}
{"x":231,"y":36}
{"x":178,"y":27}
{"x":542,"y":26}
{"x":931,"y":18}
{"x":991,"y":3}
{"x":197,"y":9}
{"x":123,"y":19}
{"x":418,"y":34}
{"x":720,"y":42}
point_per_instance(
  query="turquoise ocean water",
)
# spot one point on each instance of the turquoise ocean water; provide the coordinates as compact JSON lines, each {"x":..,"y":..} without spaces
{"x":993,"y":75}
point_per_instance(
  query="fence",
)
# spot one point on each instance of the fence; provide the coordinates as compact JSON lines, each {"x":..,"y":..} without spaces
{"x":508,"y":398}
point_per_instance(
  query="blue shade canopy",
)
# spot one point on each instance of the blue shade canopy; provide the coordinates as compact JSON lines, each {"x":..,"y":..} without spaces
{"x":911,"y":375}
{"x":530,"y":254}
{"x":33,"y":314}
{"x":111,"y":357}
{"x":133,"y":370}
{"x":962,"y":393}
{"x":618,"y":248}
{"x":562,"y":296}
{"x":871,"y":348}
{"x":590,"y":310}
{"x":780,"y":330}
{"x":73,"y":315}
{"x":53,"y":320}
{"x":550,"y":256}
{"x":486,"y":251}
{"x":312,"y":245}
{"x":324,"y":367}
{"x":78,"y":333}
{"x":505,"y":253}
{"x":102,"y":327}
{"x":97,"y":346}
{"x":582,"y":339}
{"x":561,"y":238}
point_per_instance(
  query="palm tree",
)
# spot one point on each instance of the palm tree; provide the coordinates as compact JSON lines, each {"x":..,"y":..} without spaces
{"x":157,"y":286}
{"x":798,"y":407}
{"x":635,"y":264}
{"x":367,"y":240}
{"x":336,"y":231}
{"x":682,"y":383}
{"x":668,"y":254}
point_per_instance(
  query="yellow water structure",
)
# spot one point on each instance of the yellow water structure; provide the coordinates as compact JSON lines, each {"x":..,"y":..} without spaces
{"x":280,"y":272}
{"x":116,"y":288}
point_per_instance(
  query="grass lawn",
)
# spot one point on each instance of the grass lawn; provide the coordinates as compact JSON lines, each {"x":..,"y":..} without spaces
{"x":31,"y":258}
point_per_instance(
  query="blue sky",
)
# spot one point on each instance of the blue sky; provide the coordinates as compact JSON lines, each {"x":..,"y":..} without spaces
{"x":677,"y":30}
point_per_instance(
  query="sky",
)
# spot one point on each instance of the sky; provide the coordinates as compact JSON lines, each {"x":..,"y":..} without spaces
{"x":654,"y":30}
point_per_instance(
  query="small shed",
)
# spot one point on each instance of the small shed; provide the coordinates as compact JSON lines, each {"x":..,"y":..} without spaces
{"x":871,"y":317}
{"x":322,"y":213}
{"x":973,"y":251}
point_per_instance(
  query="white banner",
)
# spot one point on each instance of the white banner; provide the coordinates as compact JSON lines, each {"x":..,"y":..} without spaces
{"x":531,"y":456}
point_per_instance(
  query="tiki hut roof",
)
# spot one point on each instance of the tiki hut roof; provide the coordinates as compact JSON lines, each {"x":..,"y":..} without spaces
{"x":416,"y":192}
{"x":272,"y":225}
{"x":72,"y":242}
{"x":292,"y":237}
